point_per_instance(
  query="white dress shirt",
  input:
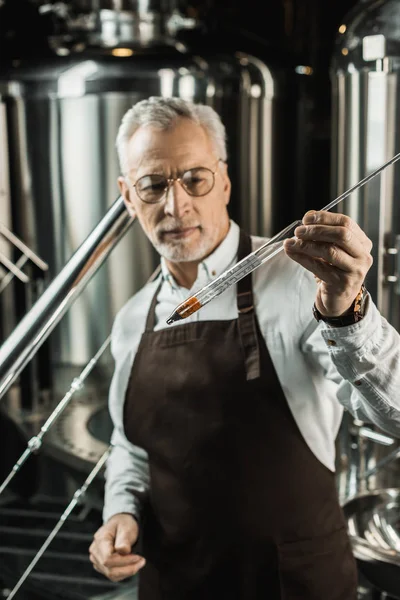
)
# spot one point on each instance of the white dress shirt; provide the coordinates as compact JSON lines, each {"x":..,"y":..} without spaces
{"x":321,"y":369}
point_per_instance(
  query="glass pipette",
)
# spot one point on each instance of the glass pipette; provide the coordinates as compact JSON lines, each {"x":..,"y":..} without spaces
{"x":257,"y":258}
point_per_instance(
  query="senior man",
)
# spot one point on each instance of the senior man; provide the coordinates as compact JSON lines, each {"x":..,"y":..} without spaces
{"x":225,"y":423}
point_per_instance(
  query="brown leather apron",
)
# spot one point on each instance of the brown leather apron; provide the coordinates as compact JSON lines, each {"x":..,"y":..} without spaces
{"x":239,"y":507}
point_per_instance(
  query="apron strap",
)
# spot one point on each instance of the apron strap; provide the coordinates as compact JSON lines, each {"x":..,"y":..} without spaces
{"x":151,"y":315}
{"x":247,"y":316}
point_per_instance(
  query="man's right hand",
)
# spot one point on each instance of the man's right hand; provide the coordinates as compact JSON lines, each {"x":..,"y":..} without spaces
{"x":111,"y":549}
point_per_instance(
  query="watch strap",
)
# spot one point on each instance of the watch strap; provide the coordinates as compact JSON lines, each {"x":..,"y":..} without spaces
{"x":354,"y":315}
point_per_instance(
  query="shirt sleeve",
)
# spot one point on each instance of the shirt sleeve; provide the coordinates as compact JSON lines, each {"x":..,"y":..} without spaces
{"x":365,"y":363}
{"x":127,"y":477}
{"x":127,"y":469}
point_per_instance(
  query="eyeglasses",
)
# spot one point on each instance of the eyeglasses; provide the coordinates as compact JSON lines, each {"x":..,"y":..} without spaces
{"x":196,"y":182}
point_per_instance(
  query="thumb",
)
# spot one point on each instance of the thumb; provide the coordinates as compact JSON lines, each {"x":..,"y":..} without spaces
{"x":125,"y":537}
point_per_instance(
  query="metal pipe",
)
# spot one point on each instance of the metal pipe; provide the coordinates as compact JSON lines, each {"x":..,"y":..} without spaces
{"x":45,"y":314}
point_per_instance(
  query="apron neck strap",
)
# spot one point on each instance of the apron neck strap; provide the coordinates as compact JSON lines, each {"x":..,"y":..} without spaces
{"x":151,"y":315}
{"x":244,"y":286}
{"x":247,"y":317}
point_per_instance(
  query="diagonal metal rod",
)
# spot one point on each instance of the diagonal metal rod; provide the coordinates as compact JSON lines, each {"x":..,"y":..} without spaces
{"x":76,"y":498}
{"x":13,"y":239}
{"x":13,"y":268}
{"x":35,"y":442}
{"x":362,"y":182}
{"x":380,"y":464}
{"x":7,"y":279}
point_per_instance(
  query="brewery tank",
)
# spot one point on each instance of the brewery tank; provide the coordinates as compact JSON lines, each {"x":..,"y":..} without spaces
{"x":365,"y":126}
{"x":365,"y":134}
{"x":62,"y":114}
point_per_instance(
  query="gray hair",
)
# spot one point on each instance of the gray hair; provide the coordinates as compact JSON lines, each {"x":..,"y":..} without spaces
{"x":162,"y":113}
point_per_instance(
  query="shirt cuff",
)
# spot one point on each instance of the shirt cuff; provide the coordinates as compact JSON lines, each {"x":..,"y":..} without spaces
{"x":353,"y":338}
{"x":116,"y":506}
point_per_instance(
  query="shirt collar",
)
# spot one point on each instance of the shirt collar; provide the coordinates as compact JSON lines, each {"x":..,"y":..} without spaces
{"x":217,"y":262}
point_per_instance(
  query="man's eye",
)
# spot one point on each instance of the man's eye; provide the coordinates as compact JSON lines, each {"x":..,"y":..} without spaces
{"x":155,"y":187}
{"x":195,"y":179}
{"x":150,"y":185}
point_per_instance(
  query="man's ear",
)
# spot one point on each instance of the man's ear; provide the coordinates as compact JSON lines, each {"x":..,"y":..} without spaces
{"x":124,"y":191}
{"x":226,"y":182}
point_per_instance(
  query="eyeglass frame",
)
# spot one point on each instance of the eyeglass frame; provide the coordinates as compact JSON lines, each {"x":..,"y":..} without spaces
{"x":170,"y":181}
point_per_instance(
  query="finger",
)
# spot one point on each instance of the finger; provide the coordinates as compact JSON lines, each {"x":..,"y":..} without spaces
{"x":323,"y":271}
{"x":343,"y":237}
{"x":120,"y":573}
{"x":122,"y":560}
{"x":114,"y":560}
{"x":123,"y":546}
{"x":124,"y":539}
{"x":330,"y":253}
{"x":96,"y":566}
{"x":104,"y":547}
{"x":93,"y":556}
{"x":96,"y":562}
{"x":337,"y":219}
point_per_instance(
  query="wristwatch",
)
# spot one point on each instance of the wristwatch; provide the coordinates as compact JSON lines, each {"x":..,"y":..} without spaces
{"x":355,"y":313}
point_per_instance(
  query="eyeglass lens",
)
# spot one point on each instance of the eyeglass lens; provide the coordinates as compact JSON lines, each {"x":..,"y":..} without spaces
{"x":196,"y":182}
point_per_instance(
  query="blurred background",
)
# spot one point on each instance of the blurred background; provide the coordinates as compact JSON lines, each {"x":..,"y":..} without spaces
{"x":308,"y":91}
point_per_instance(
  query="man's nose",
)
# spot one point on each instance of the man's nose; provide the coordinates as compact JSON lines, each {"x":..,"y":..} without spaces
{"x":177,"y":202}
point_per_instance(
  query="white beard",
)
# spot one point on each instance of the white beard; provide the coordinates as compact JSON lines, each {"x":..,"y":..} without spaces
{"x":177,"y":252}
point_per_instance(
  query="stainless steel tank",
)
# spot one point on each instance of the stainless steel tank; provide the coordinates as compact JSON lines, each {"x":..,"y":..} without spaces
{"x":366,"y":119}
{"x":62,"y":117}
{"x":365,"y":126}
{"x":366,"y":133}
{"x":61,"y":114}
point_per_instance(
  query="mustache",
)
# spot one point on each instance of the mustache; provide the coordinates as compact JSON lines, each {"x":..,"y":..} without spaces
{"x":177,"y":226}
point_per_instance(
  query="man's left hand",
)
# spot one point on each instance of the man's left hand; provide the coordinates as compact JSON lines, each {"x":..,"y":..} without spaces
{"x":337,"y":251}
